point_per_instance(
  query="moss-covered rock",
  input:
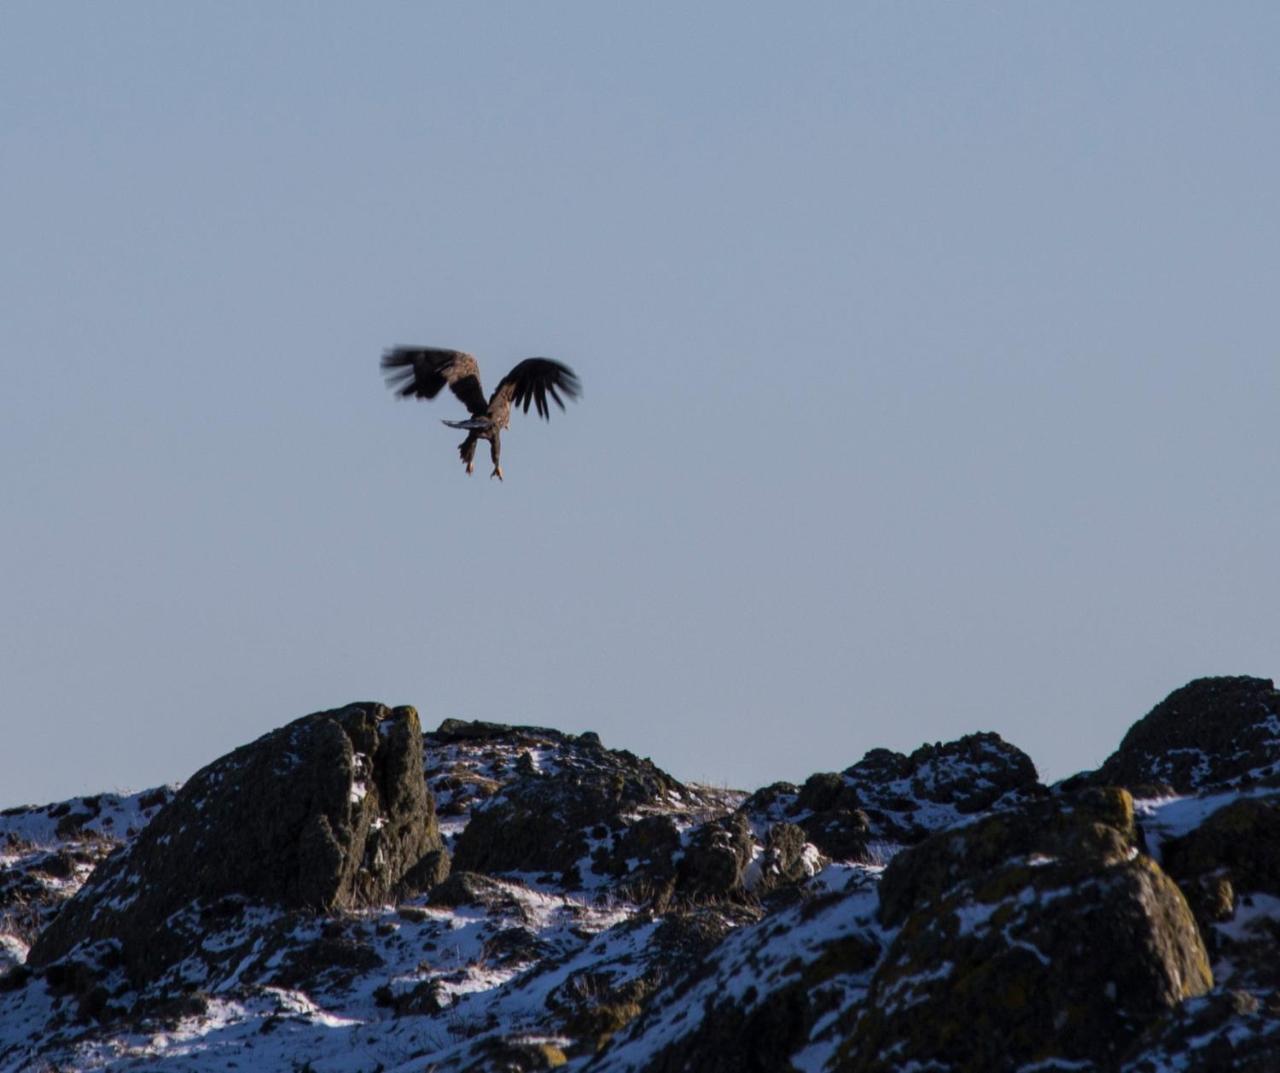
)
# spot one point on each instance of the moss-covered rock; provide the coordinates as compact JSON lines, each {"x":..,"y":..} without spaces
{"x":1229,"y":869}
{"x":1096,"y":827}
{"x":1242,"y":840}
{"x":327,"y":813}
{"x":787,"y":859}
{"x":1033,"y":935}
{"x":716,"y":858}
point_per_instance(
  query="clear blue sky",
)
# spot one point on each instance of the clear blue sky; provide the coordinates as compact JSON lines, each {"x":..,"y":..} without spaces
{"x":929,"y":354}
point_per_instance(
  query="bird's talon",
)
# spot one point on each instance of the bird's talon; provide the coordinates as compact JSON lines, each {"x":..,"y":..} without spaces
{"x":423,"y":372}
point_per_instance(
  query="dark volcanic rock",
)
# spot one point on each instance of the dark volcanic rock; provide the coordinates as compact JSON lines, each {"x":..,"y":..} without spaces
{"x":1031,"y":936}
{"x":784,"y":862}
{"x":828,"y":807}
{"x":1211,"y":732}
{"x":566,"y":807}
{"x":560,"y":808}
{"x":451,"y":730}
{"x":1240,"y":840}
{"x":716,"y":858}
{"x":328,"y":812}
{"x":910,"y":797}
{"x":616,"y":920}
{"x":892,"y":797}
{"x":1095,"y":826}
{"x":1221,"y":866}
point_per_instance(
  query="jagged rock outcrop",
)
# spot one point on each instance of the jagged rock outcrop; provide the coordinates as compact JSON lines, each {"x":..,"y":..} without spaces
{"x":551,"y":818}
{"x":1034,"y":935}
{"x":619,"y":921}
{"x":715,"y":861}
{"x":895,"y":798}
{"x":1211,"y":732}
{"x":1040,"y":932}
{"x":909,"y":797}
{"x":329,"y":812}
{"x":561,"y":808}
{"x":564,"y":807}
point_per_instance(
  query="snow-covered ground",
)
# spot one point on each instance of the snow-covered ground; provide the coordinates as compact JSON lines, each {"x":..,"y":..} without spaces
{"x":513,"y":964}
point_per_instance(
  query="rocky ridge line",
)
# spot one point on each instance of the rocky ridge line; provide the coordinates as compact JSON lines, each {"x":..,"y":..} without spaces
{"x":604,"y":916}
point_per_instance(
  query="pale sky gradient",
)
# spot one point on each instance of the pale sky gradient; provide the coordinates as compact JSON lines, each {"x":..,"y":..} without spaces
{"x":929,"y":355}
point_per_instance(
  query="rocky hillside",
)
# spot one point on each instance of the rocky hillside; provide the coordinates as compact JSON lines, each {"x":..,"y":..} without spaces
{"x":350,"y":894}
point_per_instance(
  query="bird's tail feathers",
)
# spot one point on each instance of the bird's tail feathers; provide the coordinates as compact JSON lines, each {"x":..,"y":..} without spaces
{"x":478,"y":423}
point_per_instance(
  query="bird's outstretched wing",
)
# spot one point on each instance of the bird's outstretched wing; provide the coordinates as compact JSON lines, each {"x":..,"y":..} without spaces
{"x":536,"y":378}
{"x":420,"y":372}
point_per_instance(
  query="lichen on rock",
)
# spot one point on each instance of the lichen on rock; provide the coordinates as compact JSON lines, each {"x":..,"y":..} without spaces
{"x":329,"y":812}
{"x":936,"y":910}
{"x":1033,"y":935}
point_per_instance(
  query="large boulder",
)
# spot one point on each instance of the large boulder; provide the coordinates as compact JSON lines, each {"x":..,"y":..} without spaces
{"x":715,"y":860}
{"x":1041,"y":935}
{"x":1213,"y":732}
{"x":327,"y":813}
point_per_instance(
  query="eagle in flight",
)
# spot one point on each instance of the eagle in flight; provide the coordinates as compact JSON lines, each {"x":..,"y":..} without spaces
{"x":421,"y":372}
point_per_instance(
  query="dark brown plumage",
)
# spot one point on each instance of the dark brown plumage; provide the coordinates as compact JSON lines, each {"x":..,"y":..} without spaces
{"x":423,"y":372}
